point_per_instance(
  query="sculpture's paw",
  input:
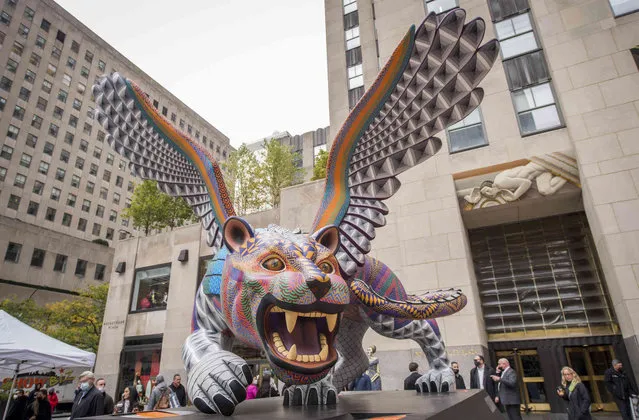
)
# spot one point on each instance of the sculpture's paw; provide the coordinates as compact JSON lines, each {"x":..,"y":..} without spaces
{"x":318,"y":393}
{"x":217,"y":383}
{"x":438,"y":379}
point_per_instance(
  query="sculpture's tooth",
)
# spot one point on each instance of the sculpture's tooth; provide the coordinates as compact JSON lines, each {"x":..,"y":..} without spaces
{"x":331,"y":320}
{"x":324,"y":353}
{"x":299,"y":358}
{"x":291,"y":320}
{"x":322,"y":338}
{"x":292,"y":353}
{"x":305,"y":358}
{"x":277,"y":309}
{"x":316,"y":358}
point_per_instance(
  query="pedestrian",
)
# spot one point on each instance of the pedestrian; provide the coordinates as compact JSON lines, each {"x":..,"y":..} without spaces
{"x":409,"y":382}
{"x":128,"y":403}
{"x":177,"y":387}
{"x":88,"y":402}
{"x":108,"y":400}
{"x":266,"y":389}
{"x":18,"y":406}
{"x":34,"y":391}
{"x":162,"y":396}
{"x":507,"y":389}
{"x":251,"y":391}
{"x":459,"y":380}
{"x":53,"y":399}
{"x":363,"y":383}
{"x":619,"y":385}
{"x":39,"y":409}
{"x":480,"y":377}
{"x":575,"y":392}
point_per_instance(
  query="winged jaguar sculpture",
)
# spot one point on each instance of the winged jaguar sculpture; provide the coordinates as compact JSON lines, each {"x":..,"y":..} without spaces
{"x":307,"y":300}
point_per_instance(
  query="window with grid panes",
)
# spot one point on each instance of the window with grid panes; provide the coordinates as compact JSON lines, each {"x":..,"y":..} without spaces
{"x":84,"y":145}
{"x":45,"y":25}
{"x":73,"y":121}
{"x":5,"y":18}
{"x":104,"y":192}
{"x":109,"y":159}
{"x":99,"y":211}
{"x":60,"y":174}
{"x":48,"y":148}
{"x":50,"y":214}
{"x":116,"y":198}
{"x":42,"y":104}
{"x":113,"y":216}
{"x":31,"y":140}
{"x":3,"y":173}
{"x":18,"y":112}
{"x":12,"y":65}
{"x":3,"y":102}
{"x":58,"y":112}
{"x":79,"y":163}
{"x":55,"y":194}
{"x":23,"y":30}
{"x":101,"y":136}
{"x":75,"y":46}
{"x":82,"y":224}
{"x":38,"y":187}
{"x":66,"y":79}
{"x":13,"y":131}
{"x":64,"y":156}
{"x":93,"y":170}
{"x":53,"y":130}
{"x":29,"y":76}
{"x":19,"y":181}
{"x":24,"y":94}
{"x":101,"y":65}
{"x":77,"y":104}
{"x":36,"y":121}
{"x":90,"y":187}
{"x":106,"y":176}
{"x":87,"y":128}
{"x":35,"y":59}
{"x":109,"y":233}
{"x":96,"y":229}
{"x":14,"y":202}
{"x":37,"y":258}
{"x":6,"y":83}
{"x":40,"y":41}
{"x":56,"y":53}
{"x":17,"y":48}
{"x":75,"y":181}
{"x":52,"y":69}
{"x":97,"y":152}
{"x":69,"y":137}
{"x":66,"y":219}
{"x":84,"y":72}
{"x":12,"y":254}
{"x":6,"y":152}
{"x":118,"y":181}
{"x":63,"y":95}
{"x":28,"y":13}
{"x":43,"y":168}
{"x":86,"y":205}
{"x":25,"y":160}
{"x":32,"y":208}
{"x":71,"y":199}
{"x":71,"y":62}
{"x":46,"y":86}
{"x":60,"y":264}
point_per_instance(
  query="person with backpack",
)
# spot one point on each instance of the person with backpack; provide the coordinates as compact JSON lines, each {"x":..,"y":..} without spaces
{"x":162,"y":397}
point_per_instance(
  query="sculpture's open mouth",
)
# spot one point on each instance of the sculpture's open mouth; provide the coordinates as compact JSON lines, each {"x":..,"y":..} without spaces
{"x":300,"y":338}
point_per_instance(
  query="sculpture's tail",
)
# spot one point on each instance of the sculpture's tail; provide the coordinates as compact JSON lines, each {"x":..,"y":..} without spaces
{"x":427,"y":306}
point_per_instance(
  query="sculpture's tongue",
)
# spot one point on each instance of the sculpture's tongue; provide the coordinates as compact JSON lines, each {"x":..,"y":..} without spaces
{"x":305,"y":335}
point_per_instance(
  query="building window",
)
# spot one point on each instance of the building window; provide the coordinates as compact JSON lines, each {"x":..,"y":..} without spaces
{"x":97,"y":153}
{"x":79,"y":163}
{"x":56,"y":53}
{"x":352,"y":38}
{"x":29,"y":76}
{"x":536,"y":109}
{"x":100,"y":269}
{"x":53,"y":130}
{"x":50,"y":214}
{"x":113,"y":216}
{"x":173,"y":117}
{"x":106,"y":176}
{"x":24,"y":94}
{"x":75,"y":47}
{"x":151,"y":288}
{"x":6,"y":83}
{"x":38,"y":187}
{"x":46,"y":86}
{"x":99,"y":211}
{"x":623,"y":7}
{"x":104,"y":192}
{"x":12,"y":65}
{"x":43,"y":168}
{"x":58,"y":112}
{"x":31,"y":140}
{"x":13,"y":252}
{"x":45,"y":25}
{"x":23,"y":30}
{"x":130,"y":186}
{"x":516,"y":36}
{"x":48,"y":148}
{"x":118,"y":181}
{"x":14,"y":202}
{"x":3,"y":102}
{"x":37,"y":258}
{"x":86,"y":206}
{"x":60,"y":263}
{"x":354,"y":95}
{"x":55,"y":194}
{"x":66,"y":219}
{"x":3,"y":173}
{"x":19,"y":181}
{"x":71,"y":199}
{"x":81,"y":268}
{"x":355,"y":77}
{"x":84,"y":72}
{"x":63,"y":95}
{"x":109,"y":233}
{"x":93,"y":170}
{"x":66,"y":79}
{"x":42,"y":104}
{"x":82,"y":224}
{"x":18,"y":48}
{"x":36,"y":122}
{"x":52,"y":69}
{"x":101,"y":136}
{"x":25,"y":160}
{"x":87,"y":128}
{"x":88,"y":56}
{"x":6,"y":152}
{"x":60,"y":174}
{"x":5,"y":18}
{"x":64,"y":156}
{"x":467,"y":133}
{"x":32,"y":208}
{"x":84,"y":145}
{"x":69,"y":137}
{"x":28,"y":13}
{"x":440,"y":6}
{"x":40,"y":41}
{"x":96,"y":229}
{"x":116,"y":198}
{"x":90,"y":187}
{"x":101,"y":65}
{"x":75,"y":181}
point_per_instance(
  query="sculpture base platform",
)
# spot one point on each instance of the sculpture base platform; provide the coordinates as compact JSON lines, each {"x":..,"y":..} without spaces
{"x":396,"y":405}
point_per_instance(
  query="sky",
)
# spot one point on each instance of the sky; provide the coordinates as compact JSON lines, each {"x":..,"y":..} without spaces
{"x":249,"y":67}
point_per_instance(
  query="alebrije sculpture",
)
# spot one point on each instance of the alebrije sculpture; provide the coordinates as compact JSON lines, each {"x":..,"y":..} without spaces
{"x":307,"y":300}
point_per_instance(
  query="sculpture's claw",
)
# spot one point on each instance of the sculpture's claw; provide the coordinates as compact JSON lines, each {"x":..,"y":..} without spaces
{"x":217,"y":383}
{"x":318,"y":393}
{"x":437,"y":379}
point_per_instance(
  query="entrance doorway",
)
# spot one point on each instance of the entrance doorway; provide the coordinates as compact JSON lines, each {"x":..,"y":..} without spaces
{"x":590,"y":363}
{"x":531,"y":378}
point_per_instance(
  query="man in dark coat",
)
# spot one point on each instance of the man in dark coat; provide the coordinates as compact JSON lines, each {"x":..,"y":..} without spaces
{"x":178,"y":389}
{"x":34,"y":391}
{"x":88,"y":402}
{"x":39,"y":409}
{"x":18,"y":406}
{"x":619,"y":385}
{"x":480,"y":376}
{"x":507,"y":389}
{"x":459,"y":380}
{"x":409,"y":382}
{"x":108,"y":400}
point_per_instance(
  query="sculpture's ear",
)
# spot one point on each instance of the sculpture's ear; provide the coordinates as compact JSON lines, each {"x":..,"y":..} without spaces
{"x":328,"y":236}
{"x":236,"y":232}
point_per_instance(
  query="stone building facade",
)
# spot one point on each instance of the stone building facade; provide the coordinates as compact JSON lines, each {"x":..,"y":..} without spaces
{"x":57,"y":173}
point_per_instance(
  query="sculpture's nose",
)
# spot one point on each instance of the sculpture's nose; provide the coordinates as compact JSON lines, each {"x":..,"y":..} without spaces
{"x":319,"y":284}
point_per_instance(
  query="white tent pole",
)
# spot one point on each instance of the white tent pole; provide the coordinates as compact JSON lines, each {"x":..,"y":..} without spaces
{"x":13,"y":385}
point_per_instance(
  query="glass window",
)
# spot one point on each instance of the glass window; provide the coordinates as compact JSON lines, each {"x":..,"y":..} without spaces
{"x":113,"y":216}
{"x":106,"y":176}
{"x":75,"y":47}
{"x":28,"y":13}
{"x":14,"y":202}
{"x":81,"y":268}
{"x":86,"y":206}
{"x":5,"y":18}
{"x":60,"y":263}
{"x":68,"y":138}
{"x":101,"y":65}
{"x":24,"y":94}
{"x":31,"y":140}
{"x":48,"y":148}
{"x":59,"y":174}
{"x":25,"y":160}
{"x":90,"y":187}
{"x":58,"y":112}
{"x":12,"y":253}
{"x":18,"y":113}
{"x":71,"y":199}
{"x":43,"y":168}
{"x":97,"y":152}
{"x":52,"y":69}
{"x":3,"y":173}
{"x":79,"y":163}
{"x":116,"y":198}
{"x":46,"y":86}
{"x":66,"y":219}
{"x":3,"y":102}
{"x":40,"y":41}
{"x":84,"y":72}
{"x":440,"y":6}
{"x":55,"y":194}
{"x":101,"y":136}
{"x":354,"y":95}
{"x":38,"y":187}
{"x":99,"y":211}
{"x":53,"y":130}
{"x":151,"y":288}
{"x":623,"y":7}
{"x":75,"y":181}
{"x":50,"y":214}
{"x":109,"y":158}
{"x":100,"y":269}
{"x":23,"y":30}
{"x":36,"y":122}
{"x":104,"y":192}
{"x":45,"y":25}
{"x":516,"y":36}
{"x":6,"y":83}
{"x":88,"y":56}
{"x":32,"y":208}
{"x":18,"y":48}
{"x":64,"y":156}
{"x":118,"y":181}
{"x":29,"y":76}
{"x":12,"y":65}
{"x":93,"y":170}
{"x":37,"y":258}
{"x":536,"y":109}
{"x":63,"y":95}
{"x":6,"y":152}
{"x":173,"y":116}
{"x":96,"y":229}
{"x":71,"y":62}
{"x":467,"y":133}
{"x":19,"y":181}
{"x":66,"y":79}
{"x":87,"y":128}
{"x":42,"y":104}
{"x":82,"y":224}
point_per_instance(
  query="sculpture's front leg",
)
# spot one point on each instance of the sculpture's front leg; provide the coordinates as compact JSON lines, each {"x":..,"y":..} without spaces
{"x":318,"y":393}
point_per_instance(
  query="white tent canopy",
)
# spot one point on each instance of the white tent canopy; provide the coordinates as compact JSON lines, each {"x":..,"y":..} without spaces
{"x":21,"y":344}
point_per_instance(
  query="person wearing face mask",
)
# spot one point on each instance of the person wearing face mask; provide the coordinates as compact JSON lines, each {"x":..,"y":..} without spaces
{"x":100,"y":384}
{"x":619,"y":385}
{"x":459,"y":380}
{"x":18,"y":406}
{"x":480,"y":376}
{"x":39,"y":409}
{"x":88,"y":402}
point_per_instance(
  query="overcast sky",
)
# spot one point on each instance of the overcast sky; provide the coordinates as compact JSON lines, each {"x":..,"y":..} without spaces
{"x":249,"y":67}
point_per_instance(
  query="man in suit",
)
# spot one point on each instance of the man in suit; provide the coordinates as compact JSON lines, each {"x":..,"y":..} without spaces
{"x":89,"y":401}
{"x":507,"y":389}
{"x":480,"y":376}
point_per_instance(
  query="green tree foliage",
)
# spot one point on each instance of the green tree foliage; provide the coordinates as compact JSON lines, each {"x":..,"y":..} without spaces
{"x":279,"y":169}
{"x":319,"y":168}
{"x":76,"y":321}
{"x":152,"y":209}
{"x":244,"y":176}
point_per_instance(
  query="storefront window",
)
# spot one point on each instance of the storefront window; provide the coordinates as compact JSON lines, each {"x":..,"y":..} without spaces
{"x":140,"y":361}
{"x":151,"y":289}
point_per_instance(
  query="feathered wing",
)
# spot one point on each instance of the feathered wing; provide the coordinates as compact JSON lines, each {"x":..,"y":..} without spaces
{"x":159,"y":151}
{"x":429,"y":83}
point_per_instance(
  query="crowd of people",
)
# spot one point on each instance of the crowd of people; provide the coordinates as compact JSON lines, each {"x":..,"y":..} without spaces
{"x":502,"y":386}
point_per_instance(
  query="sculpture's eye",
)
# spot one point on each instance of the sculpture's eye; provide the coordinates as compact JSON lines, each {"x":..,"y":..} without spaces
{"x":273,"y":264}
{"x":326,"y":267}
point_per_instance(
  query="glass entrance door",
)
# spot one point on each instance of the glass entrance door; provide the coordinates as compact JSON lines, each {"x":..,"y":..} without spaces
{"x":590,"y":363}
{"x":530,"y":377}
